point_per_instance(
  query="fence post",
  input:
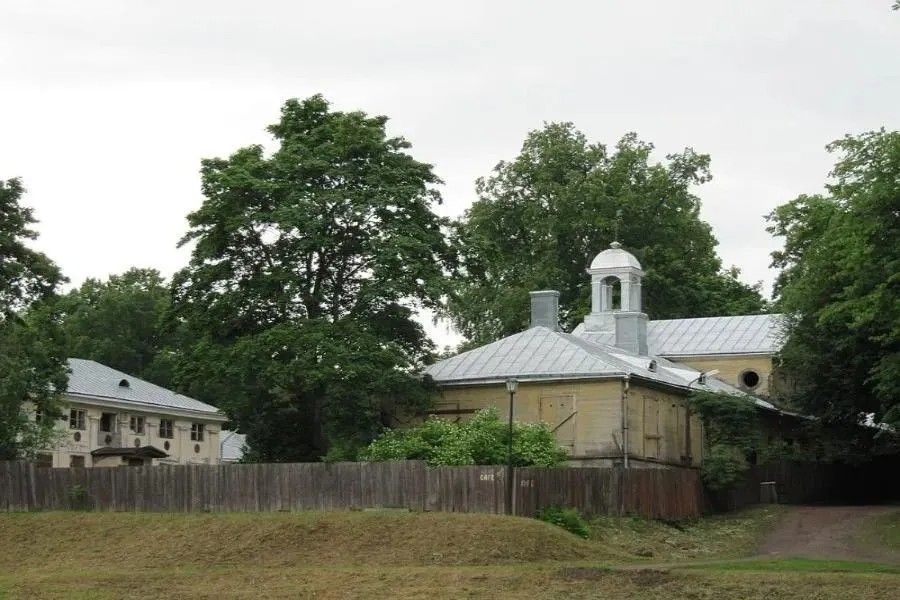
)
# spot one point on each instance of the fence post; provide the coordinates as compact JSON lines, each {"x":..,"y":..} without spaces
{"x":515,"y":492}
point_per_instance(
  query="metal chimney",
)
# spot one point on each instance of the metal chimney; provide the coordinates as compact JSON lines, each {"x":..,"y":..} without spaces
{"x":545,"y":309}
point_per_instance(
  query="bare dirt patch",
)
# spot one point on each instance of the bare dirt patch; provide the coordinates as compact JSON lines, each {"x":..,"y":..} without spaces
{"x":831,"y":532}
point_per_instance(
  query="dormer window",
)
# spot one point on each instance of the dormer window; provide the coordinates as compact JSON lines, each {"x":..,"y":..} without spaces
{"x":652,"y":366}
{"x":124,"y":384}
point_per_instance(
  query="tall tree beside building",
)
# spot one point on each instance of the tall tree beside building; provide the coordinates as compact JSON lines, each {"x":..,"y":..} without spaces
{"x":32,"y":363}
{"x":840,"y":284}
{"x":540,"y":218}
{"x":305,"y":266}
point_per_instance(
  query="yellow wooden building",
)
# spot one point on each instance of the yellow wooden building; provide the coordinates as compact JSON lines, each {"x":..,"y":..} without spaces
{"x":614,"y":390}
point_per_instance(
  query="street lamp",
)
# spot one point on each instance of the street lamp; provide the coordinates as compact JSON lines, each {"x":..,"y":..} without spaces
{"x":511,"y":386}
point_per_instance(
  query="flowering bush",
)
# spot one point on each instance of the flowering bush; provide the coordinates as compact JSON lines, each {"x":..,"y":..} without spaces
{"x":480,"y":441}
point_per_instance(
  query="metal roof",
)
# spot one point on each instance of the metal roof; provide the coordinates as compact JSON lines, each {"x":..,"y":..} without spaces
{"x":751,"y":334}
{"x":614,"y":258}
{"x":536,"y":352}
{"x":90,"y":378}
{"x":232,"y":445}
{"x":540,"y":353}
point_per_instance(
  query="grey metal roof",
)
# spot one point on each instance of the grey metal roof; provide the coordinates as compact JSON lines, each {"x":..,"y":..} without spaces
{"x":751,"y":334}
{"x":232,"y":445}
{"x":536,"y":352}
{"x":540,"y":353}
{"x":90,"y":378}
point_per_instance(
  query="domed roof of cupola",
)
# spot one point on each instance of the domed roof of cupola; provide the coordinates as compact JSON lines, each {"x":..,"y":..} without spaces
{"x":615,"y":258}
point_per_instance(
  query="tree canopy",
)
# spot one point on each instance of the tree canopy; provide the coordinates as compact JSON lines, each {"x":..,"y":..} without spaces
{"x":32,"y":363}
{"x":840,"y":284}
{"x":120,"y":322}
{"x":540,"y":218}
{"x":307,"y":264}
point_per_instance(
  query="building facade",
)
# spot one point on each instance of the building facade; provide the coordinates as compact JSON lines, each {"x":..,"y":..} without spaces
{"x":615,"y":390}
{"x":113,"y":419}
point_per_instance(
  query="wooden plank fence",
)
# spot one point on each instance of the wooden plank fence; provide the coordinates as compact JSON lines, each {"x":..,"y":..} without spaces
{"x":797,"y":482}
{"x":653,"y":493}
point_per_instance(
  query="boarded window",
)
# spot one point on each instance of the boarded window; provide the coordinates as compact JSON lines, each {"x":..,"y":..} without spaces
{"x":559,"y":413}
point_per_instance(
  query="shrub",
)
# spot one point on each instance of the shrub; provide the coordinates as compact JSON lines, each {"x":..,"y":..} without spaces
{"x":567,"y":518}
{"x":78,"y":498}
{"x":723,"y":467}
{"x":481,"y":441}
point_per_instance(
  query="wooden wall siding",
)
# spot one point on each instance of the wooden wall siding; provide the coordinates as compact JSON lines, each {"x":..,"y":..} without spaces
{"x":652,"y":493}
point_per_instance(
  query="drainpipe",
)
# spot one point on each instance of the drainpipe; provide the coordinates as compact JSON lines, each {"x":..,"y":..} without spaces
{"x":626,"y":383}
{"x":688,"y":447}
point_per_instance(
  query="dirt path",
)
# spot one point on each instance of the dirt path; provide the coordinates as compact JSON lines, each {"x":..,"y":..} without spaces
{"x":835,"y":532}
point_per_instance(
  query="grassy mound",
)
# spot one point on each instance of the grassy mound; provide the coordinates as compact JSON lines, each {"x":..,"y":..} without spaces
{"x":729,"y":535}
{"x":314,"y":538}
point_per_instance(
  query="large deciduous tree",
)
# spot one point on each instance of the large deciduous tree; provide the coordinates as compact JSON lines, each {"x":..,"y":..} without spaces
{"x":540,"y":218}
{"x":32,"y":364}
{"x":840,"y":285}
{"x":305,"y":267}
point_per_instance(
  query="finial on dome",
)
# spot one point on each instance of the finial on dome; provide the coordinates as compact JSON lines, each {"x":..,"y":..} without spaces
{"x":615,"y":245}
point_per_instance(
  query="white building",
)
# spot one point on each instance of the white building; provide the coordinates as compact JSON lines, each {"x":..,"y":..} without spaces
{"x":111,"y":418}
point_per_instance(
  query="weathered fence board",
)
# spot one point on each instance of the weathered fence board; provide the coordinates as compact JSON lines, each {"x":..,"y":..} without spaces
{"x":669,"y":494}
{"x":810,"y":482}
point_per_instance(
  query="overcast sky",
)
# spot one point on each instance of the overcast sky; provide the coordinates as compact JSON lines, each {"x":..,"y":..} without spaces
{"x":106,"y":108}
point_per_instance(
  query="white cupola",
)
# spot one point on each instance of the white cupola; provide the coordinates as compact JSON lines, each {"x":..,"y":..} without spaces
{"x":611,"y":270}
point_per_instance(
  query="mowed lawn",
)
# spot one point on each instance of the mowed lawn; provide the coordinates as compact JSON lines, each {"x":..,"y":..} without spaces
{"x":403,"y":555}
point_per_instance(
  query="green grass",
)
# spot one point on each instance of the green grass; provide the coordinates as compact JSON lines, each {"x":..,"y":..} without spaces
{"x":887,"y":530}
{"x":731,"y":535}
{"x":102,"y":556}
{"x":798,"y":565}
{"x":533,"y":581}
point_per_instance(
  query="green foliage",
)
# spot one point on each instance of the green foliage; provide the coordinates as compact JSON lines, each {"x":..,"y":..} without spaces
{"x":298,"y":297}
{"x":541,"y":218}
{"x":732,"y":429}
{"x":32,"y":363}
{"x":119,"y":322}
{"x":79,"y":498}
{"x":483,"y":440}
{"x":567,"y":518}
{"x":839,"y":284}
{"x":26,"y":276}
{"x":726,"y":418}
{"x":724,"y":466}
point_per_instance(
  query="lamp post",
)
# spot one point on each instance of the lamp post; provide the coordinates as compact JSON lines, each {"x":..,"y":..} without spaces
{"x":511,"y":386}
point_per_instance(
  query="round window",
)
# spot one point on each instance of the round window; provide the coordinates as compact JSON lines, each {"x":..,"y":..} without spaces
{"x":167,"y":445}
{"x":77,"y":436}
{"x":197,"y":448}
{"x":750,"y":379}
{"x":137,"y":442}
